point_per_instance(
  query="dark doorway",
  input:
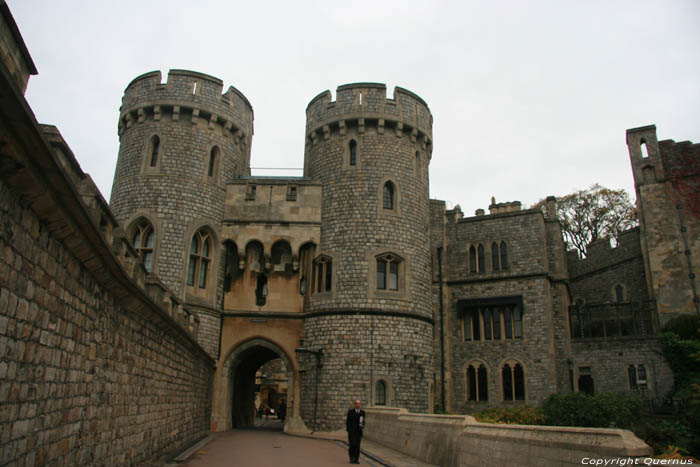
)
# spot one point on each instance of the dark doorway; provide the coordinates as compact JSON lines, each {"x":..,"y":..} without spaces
{"x":244,"y":412}
{"x":585,"y":380}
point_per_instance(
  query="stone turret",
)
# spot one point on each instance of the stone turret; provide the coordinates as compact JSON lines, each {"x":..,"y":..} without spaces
{"x":370,"y":309}
{"x":181,"y":142}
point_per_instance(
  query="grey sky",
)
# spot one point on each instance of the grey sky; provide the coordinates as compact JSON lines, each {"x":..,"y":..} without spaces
{"x":529,"y":98}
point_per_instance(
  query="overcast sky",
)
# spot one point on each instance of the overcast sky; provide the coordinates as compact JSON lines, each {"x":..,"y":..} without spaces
{"x":529,"y":98}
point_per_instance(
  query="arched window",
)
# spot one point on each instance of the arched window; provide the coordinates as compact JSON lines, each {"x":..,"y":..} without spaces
{"x":495,"y":257}
{"x":323,"y":274}
{"x":155,"y":148}
{"x":144,"y":241}
{"x":388,"y":272}
{"x":480,"y":252}
{"x":380,"y":393}
{"x":213,"y":161}
{"x":513,"y":378}
{"x":281,"y":256}
{"x":388,"y":196}
{"x":632,"y":375}
{"x":352,"y":147}
{"x":200,"y":256}
{"x":643,"y":148}
{"x":504,"y":256}
{"x":477,"y":383}
{"x":619,"y":291}
{"x":472,"y":259}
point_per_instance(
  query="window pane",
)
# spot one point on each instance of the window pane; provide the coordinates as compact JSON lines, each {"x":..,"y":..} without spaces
{"x":480,"y":252}
{"x":388,"y":198}
{"x":194,"y":246}
{"x":467,"y":320}
{"x":483,"y":384}
{"x":475,"y":325}
{"x":380,"y":392}
{"x":205,"y":248}
{"x":519,"y":378}
{"x":619,"y":294}
{"x":472,"y":259}
{"x":319,"y":280}
{"x":353,"y":152}
{"x":517,"y":323}
{"x":504,"y":256}
{"x":381,"y":275}
{"x":394,"y":276}
{"x":148,"y":260}
{"x":328,"y":275}
{"x":494,"y":257}
{"x":497,"y":323}
{"x":507,"y":383}
{"x":212,"y":161}
{"x":632,"y":374}
{"x":203,"y":273}
{"x":154,"y":151}
{"x":150,"y":239}
{"x":507,"y":320}
{"x":487,"y":324}
{"x":190,"y":270}
{"x":471,"y":383}
{"x":137,"y":239}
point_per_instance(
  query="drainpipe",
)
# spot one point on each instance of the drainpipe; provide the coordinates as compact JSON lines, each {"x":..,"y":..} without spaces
{"x":442,"y":334}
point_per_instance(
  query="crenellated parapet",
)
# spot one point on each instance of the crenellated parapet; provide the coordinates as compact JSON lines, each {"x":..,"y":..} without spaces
{"x":187,"y":96}
{"x":363,"y":105}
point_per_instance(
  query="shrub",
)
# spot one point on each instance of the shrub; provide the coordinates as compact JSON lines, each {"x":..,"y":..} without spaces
{"x":686,"y":327}
{"x":511,"y":415}
{"x":599,"y":410}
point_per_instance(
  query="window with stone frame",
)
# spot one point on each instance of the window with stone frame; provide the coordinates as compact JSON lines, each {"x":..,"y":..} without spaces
{"x":322,"y":274}
{"x":144,"y":242}
{"x":389,"y":271}
{"x":491,"y":319}
{"x":200,"y":258}
{"x":380,"y":393}
{"x":619,"y":293}
{"x":352,"y":152}
{"x":637,"y":376}
{"x":213,"y":165}
{"x":388,"y":193}
{"x":477,"y":382}
{"x":513,"y":381}
{"x":472,"y":259}
{"x":499,"y":256}
{"x":154,"y":150}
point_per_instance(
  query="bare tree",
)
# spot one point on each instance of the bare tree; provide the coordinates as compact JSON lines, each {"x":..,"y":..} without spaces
{"x":592,"y":214}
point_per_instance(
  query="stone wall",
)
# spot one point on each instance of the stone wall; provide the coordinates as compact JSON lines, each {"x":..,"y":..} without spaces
{"x":462,"y":441}
{"x":98,"y":363}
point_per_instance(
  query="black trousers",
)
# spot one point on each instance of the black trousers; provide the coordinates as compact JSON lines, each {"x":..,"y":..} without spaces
{"x":354,"y":442}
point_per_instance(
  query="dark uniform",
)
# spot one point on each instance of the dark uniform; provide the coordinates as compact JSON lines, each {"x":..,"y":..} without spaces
{"x":354,"y":423}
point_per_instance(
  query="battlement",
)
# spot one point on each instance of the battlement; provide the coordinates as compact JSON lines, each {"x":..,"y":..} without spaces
{"x":186,"y":93}
{"x":601,"y":254}
{"x":361,"y":105}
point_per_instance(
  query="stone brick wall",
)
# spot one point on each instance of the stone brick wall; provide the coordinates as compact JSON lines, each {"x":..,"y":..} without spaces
{"x":359,"y":349}
{"x":85,"y":379}
{"x":531,"y":276}
{"x":13,"y":51}
{"x":594,"y":278}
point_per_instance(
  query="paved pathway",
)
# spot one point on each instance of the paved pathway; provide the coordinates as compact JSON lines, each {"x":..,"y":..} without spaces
{"x":264,"y":447}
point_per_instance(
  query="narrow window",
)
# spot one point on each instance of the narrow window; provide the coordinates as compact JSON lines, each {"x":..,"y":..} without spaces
{"x":467,"y":320}
{"x":487,"y":324}
{"x":519,"y":382}
{"x":472,"y":259}
{"x":483,"y":383}
{"x":200,"y":256}
{"x":144,"y":241}
{"x":504,"y":256}
{"x":329,"y":274}
{"x":323,"y":273}
{"x":380,"y":393}
{"x":517,"y":323}
{"x":261,"y":289}
{"x":508,"y":321}
{"x":632,"y":375}
{"x":643,"y":148}
{"x":476,"y":325}
{"x":212,"y":160}
{"x":642,"y":377}
{"x":418,"y":164}
{"x":381,"y":275}
{"x":495,"y":256}
{"x":497,"y":323}
{"x":619,"y":293}
{"x":507,"y":383}
{"x":353,"y":152}
{"x":394,"y":276}
{"x":388,"y":196}
{"x":155,"y":147}
{"x":480,"y":251}
{"x":471,"y":383}
{"x":319,"y":281}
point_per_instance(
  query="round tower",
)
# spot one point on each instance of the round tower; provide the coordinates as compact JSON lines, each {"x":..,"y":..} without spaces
{"x":181,"y":142}
{"x":370,"y":309}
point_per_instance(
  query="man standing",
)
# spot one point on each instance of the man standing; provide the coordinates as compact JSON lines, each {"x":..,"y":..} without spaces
{"x":354,"y":423}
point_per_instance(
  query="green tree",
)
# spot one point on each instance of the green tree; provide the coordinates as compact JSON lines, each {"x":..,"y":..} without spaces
{"x":592,"y":214}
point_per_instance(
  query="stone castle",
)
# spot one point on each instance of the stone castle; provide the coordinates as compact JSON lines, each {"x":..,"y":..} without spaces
{"x":129,"y":330}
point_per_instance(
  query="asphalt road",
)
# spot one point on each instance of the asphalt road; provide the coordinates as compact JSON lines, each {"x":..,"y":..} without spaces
{"x":262,"y":448}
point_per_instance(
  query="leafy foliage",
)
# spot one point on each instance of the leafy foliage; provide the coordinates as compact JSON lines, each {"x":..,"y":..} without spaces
{"x":599,"y":410}
{"x":684,"y":326}
{"x":511,"y":415}
{"x":593,"y":214}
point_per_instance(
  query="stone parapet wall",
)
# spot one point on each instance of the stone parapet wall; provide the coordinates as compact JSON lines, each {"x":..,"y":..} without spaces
{"x":462,"y":441}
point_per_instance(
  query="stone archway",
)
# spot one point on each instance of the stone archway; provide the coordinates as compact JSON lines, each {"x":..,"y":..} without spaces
{"x":238,"y":381}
